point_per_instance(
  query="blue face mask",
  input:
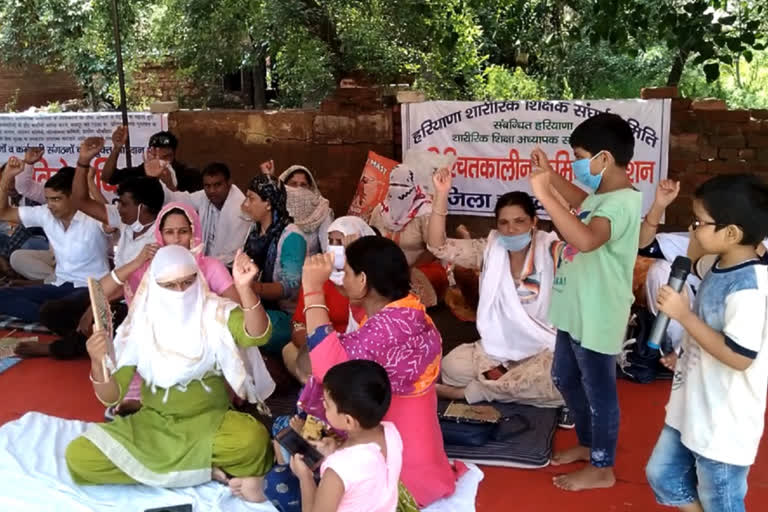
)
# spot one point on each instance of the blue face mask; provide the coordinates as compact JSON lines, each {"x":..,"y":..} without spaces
{"x":515,"y":243}
{"x":583,"y":175}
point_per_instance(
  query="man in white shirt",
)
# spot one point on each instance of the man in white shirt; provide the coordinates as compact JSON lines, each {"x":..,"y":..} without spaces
{"x":78,"y":242}
{"x":218,"y":204}
{"x":139,"y":200}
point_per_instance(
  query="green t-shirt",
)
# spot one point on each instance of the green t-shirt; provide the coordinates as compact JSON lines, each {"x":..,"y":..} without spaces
{"x":592,"y":291}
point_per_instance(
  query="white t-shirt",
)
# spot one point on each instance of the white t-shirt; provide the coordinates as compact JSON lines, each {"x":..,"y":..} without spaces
{"x":128,"y":247}
{"x":719,"y":411}
{"x":80,"y":250}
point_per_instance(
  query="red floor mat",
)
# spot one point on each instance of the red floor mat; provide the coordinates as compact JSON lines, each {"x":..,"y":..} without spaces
{"x":62,"y":388}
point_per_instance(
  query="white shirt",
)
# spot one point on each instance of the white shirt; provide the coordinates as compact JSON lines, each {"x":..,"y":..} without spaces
{"x":229,"y":228}
{"x":80,"y":250}
{"x":719,"y":411}
{"x":128,"y":247}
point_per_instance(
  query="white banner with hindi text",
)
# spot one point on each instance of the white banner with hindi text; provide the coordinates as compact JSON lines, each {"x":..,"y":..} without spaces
{"x":493,"y":141}
{"x":61,"y":135}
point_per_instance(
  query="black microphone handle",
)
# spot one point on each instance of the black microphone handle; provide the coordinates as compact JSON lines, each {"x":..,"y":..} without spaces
{"x":662,"y":320}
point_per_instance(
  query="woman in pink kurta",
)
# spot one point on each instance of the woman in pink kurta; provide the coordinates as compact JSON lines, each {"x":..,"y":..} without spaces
{"x":400,"y":336}
{"x":176,"y":224}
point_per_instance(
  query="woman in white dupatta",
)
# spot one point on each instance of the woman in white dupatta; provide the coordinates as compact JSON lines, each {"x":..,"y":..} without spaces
{"x":185,"y":343}
{"x":512,"y":360}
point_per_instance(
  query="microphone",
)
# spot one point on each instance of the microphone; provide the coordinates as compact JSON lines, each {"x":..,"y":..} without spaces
{"x":681,"y":267}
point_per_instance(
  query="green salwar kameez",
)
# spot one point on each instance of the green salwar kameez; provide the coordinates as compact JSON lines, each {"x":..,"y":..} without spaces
{"x":177,"y":436}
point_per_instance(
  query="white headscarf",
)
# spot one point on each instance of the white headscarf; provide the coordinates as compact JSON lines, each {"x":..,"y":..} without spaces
{"x":406,"y":199}
{"x":175,"y":337}
{"x":348,"y":225}
{"x":292,"y":169}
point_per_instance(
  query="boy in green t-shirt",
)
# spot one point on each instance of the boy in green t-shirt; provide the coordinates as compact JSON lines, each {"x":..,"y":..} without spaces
{"x":592,"y":290}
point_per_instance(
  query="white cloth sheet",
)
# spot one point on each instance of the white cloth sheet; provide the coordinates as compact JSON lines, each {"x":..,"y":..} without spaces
{"x":34,"y":478}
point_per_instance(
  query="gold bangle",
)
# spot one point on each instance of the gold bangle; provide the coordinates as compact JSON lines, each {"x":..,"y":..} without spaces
{"x":442,"y":214}
{"x":316,"y":306}
{"x":252,"y":307}
{"x":90,"y":376}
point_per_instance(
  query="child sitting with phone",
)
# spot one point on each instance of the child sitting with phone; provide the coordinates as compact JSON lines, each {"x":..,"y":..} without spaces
{"x":359,"y":474}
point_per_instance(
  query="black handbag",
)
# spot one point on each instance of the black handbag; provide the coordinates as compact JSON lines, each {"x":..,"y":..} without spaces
{"x":466,"y":431}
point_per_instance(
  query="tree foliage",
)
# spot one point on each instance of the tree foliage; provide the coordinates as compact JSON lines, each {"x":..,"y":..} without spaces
{"x":451,"y":49}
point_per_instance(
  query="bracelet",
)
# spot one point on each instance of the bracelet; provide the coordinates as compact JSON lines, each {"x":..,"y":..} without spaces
{"x":316,"y":306}
{"x":649,"y":223}
{"x":252,"y":307}
{"x":442,"y":214}
{"x":90,"y":376}
{"x":312,"y":293}
{"x":86,"y":166}
{"x":116,"y":279}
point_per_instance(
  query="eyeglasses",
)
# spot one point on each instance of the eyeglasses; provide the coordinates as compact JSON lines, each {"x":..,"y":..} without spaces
{"x":696,"y":224}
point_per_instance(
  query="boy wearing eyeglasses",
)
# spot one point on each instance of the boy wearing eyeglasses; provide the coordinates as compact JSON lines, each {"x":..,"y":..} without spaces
{"x":716,"y":409}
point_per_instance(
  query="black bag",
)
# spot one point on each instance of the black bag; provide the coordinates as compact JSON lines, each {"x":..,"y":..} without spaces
{"x":461,"y":431}
{"x":638,"y":362}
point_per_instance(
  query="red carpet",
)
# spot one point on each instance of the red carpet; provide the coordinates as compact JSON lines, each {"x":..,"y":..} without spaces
{"x":62,"y":389}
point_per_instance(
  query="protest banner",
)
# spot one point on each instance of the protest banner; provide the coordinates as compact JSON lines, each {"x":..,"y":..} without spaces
{"x":61,"y":134}
{"x":493,"y":141}
{"x":373,"y":185}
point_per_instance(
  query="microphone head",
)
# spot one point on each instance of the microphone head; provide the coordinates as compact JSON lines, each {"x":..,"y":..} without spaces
{"x":681,"y":267}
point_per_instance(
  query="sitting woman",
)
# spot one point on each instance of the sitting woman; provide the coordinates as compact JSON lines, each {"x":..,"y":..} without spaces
{"x":403,"y":217}
{"x":183,"y":341}
{"x":309,"y":209}
{"x":513,"y":359}
{"x":344,"y":316}
{"x":278,"y":248}
{"x":176,"y":224}
{"x":399,"y":335}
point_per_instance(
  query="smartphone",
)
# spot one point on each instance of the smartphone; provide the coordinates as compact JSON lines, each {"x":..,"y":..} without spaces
{"x":172,"y":508}
{"x":495,"y":373}
{"x":294,"y":443}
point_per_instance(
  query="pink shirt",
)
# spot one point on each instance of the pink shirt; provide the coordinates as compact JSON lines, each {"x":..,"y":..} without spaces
{"x":370,"y":481}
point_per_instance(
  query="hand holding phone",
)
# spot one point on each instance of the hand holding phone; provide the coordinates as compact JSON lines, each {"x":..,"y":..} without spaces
{"x":294,"y":443}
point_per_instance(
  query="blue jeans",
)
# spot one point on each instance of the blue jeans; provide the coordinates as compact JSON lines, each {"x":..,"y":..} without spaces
{"x":24,"y":302}
{"x":587,"y":381}
{"x":679,"y":476}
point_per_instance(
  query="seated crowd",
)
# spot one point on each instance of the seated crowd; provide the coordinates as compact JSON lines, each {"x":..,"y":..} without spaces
{"x":207,"y":281}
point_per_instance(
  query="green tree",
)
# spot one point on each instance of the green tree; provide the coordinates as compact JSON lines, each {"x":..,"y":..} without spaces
{"x":711,"y":32}
{"x":75,"y":36}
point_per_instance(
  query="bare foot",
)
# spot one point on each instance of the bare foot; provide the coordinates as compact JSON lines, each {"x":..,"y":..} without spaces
{"x":588,"y":477}
{"x":575,"y":454}
{"x":32,"y":349}
{"x":669,"y":361}
{"x":452,"y":392}
{"x":219,"y":475}
{"x":249,"y":488}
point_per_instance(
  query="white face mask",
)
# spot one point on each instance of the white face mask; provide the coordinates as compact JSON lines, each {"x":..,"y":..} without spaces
{"x":339,"y":256}
{"x":137,"y":226}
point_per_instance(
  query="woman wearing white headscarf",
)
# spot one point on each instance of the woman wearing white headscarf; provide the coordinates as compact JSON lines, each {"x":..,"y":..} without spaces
{"x":310,"y":210}
{"x":342,"y":313}
{"x":403,"y":217}
{"x":185,"y":343}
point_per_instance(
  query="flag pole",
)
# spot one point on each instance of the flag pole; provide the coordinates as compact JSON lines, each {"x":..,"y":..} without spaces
{"x":121,"y":78}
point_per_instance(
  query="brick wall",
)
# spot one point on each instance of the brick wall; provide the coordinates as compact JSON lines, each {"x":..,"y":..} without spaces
{"x":332,"y":142}
{"x":161,"y":82}
{"x":707,"y":139}
{"x":33,"y":87}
